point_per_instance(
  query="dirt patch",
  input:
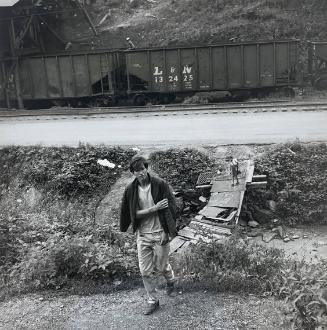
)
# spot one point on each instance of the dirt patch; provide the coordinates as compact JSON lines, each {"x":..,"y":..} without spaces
{"x":311,"y":244}
{"x":123,"y":310}
{"x":108,"y":210}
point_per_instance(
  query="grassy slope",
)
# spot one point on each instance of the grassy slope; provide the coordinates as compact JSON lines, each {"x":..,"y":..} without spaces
{"x":171,"y":22}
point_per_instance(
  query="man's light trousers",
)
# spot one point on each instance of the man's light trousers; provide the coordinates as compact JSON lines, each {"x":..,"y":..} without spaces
{"x":153,"y":257}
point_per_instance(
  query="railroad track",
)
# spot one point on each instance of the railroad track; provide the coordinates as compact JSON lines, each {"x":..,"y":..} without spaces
{"x":253,"y":107}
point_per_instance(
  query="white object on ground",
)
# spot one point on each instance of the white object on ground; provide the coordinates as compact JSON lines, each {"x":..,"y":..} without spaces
{"x":105,"y":162}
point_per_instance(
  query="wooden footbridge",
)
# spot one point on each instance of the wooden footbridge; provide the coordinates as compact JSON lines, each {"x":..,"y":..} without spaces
{"x":222,"y":211}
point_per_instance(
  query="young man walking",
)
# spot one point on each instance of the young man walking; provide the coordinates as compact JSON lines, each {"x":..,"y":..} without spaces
{"x":148,"y":205}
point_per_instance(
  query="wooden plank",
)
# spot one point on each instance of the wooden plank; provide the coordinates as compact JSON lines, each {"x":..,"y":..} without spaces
{"x":187,"y":232}
{"x":228,"y":219}
{"x":259,"y":184}
{"x":226,"y":185}
{"x":240,"y":207}
{"x":225,"y":199}
{"x":210,"y":226}
{"x":183,"y":248}
{"x":259,"y":177}
{"x":177,"y":243}
{"x":249,"y":172}
{"x":211,"y":211}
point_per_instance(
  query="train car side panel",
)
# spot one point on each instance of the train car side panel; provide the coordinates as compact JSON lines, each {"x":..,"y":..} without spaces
{"x":282,"y":67}
{"x":2,"y":83}
{"x":267,"y":65}
{"x":26,"y":81}
{"x":235,"y":67}
{"x":138,"y":71}
{"x":66,"y":73}
{"x":39,"y":78}
{"x":158,"y":71}
{"x":188,"y":69}
{"x":81,"y":75}
{"x":51,"y":66}
{"x":219,"y":67}
{"x":173,"y":71}
{"x":204,"y":69}
{"x":250,"y":60}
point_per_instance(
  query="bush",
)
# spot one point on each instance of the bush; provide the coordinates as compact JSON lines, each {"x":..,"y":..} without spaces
{"x":52,"y":263}
{"x":181,"y":166}
{"x":232,"y":266}
{"x":238,"y":265}
{"x":297,"y":180}
{"x":74,"y":172}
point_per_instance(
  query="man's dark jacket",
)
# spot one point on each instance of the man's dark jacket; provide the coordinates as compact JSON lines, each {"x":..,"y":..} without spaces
{"x":159,"y":190}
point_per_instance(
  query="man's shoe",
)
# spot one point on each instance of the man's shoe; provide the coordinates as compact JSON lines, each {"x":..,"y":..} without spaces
{"x":151,"y":308}
{"x":170,"y":288}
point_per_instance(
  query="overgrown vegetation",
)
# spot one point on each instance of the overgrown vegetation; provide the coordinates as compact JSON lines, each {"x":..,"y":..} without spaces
{"x":181,"y":167}
{"x":241,"y":266}
{"x":197,"y":22}
{"x":297,"y":181}
{"x":48,"y":236}
{"x":48,"y":232}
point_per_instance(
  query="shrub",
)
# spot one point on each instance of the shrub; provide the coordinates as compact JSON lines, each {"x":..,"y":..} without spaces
{"x":232,"y":266}
{"x":297,"y":181}
{"x":238,"y":265}
{"x":62,"y":257}
{"x":74,"y":172}
{"x":181,"y":166}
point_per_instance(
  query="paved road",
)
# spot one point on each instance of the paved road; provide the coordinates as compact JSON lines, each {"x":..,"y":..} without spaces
{"x":166,"y":128}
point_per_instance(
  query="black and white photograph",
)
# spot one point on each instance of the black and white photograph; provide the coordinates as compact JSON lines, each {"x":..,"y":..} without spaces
{"x":163,"y":164}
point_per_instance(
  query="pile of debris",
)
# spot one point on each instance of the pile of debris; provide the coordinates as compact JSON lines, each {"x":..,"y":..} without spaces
{"x":217,"y":202}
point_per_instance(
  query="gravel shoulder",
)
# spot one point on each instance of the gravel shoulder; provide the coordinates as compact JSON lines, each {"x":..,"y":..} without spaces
{"x":124,"y":310}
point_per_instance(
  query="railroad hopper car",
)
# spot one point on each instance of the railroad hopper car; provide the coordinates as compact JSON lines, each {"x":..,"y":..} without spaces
{"x":317,"y":64}
{"x":167,"y":72}
{"x":62,"y":79}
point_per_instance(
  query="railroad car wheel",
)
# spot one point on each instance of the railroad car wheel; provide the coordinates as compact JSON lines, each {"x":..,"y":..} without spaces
{"x":320,"y":83}
{"x":140,"y":100}
{"x":289,"y":92}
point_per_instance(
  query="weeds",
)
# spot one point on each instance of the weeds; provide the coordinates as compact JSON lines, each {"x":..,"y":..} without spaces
{"x":181,"y":166}
{"x":297,"y":181}
{"x":238,"y":265}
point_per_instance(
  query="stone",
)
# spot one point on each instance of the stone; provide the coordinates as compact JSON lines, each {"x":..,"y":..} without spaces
{"x":32,"y":196}
{"x":269,"y":236}
{"x":254,"y":233}
{"x":253,"y":224}
{"x":295,"y":236}
{"x":286,"y":239}
{"x":272,"y":205}
{"x":262,"y":216}
{"x":242,"y":223}
{"x":280,"y":231}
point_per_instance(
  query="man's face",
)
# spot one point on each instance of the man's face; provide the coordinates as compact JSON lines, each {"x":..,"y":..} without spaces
{"x":141,"y":173}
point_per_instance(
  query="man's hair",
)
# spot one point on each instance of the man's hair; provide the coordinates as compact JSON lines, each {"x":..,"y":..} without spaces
{"x":137,"y":162}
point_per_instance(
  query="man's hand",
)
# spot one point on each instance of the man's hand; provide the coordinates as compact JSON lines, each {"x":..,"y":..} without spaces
{"x":164,"y":238}
{"x":163,"y":204}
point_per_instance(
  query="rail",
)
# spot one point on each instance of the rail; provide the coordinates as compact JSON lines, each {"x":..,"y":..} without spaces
{"x":276,"y":106}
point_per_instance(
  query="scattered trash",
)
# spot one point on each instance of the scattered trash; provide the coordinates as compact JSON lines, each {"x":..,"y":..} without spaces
{"x":106,"y":163}
{"x":253,"y":224}
{"x":280,"y":231}
{"x":269,"y":236}
{"x":295,"y":236}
